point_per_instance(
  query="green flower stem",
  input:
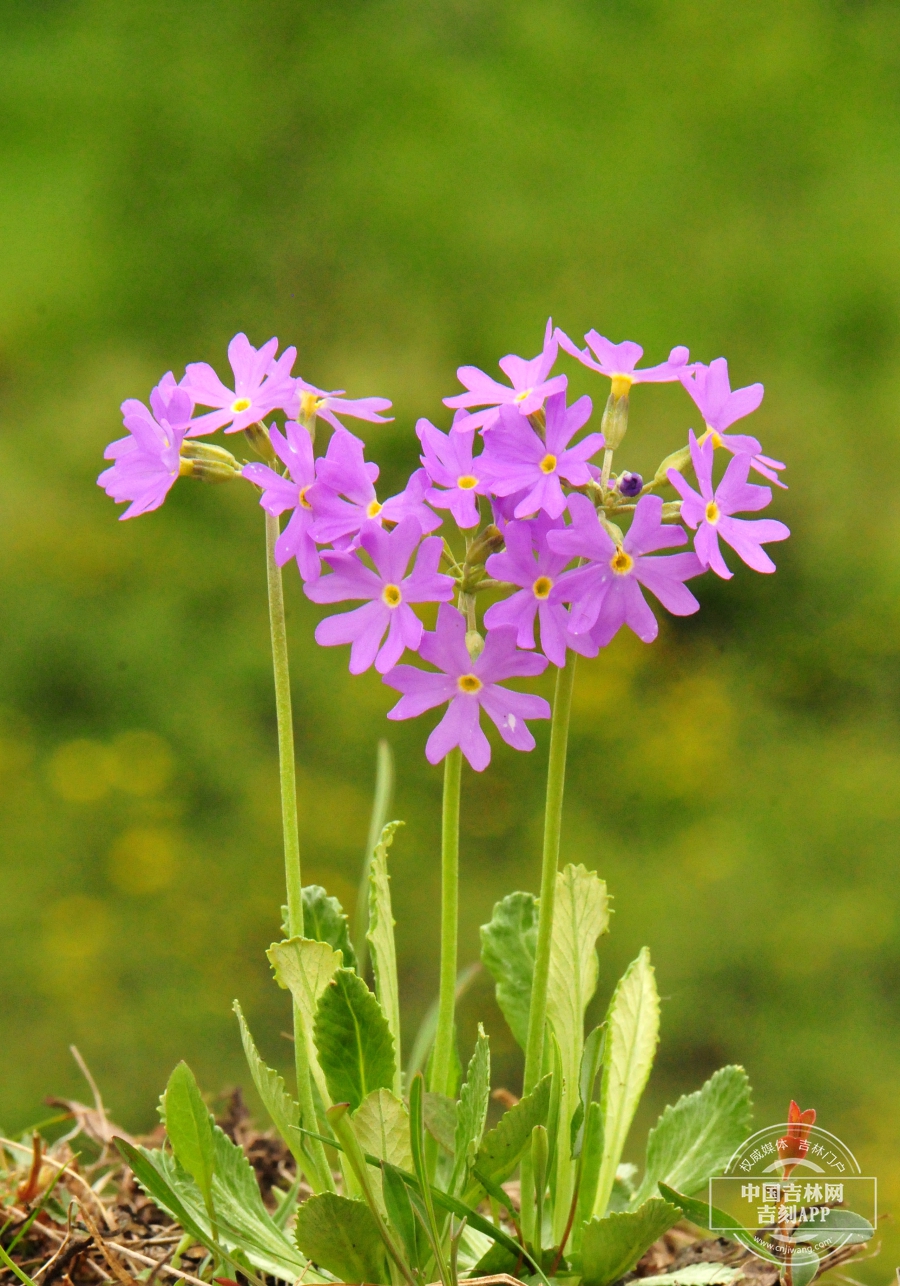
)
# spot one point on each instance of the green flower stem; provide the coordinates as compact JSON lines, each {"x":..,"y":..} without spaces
{"x":320,"y":1177}
{"x":443,"y":1041}
{"x":556,"y":780}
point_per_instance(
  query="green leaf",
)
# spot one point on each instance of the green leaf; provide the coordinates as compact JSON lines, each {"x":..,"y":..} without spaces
{"x":703,"y":1215}
{"x":580,"y":917}
{"x":632,"y":1031}
{"x":507,"y":950}
{"x":143,"y":1165}
{"x":353,"y":1040}
{"x":242,"y":1221}
{"x":380,"y":938}
{"x":591,"y":1157}
{"x":271,"y":1088}
{"x":381,"y":1125}
{"x":324,"y":920}
{"x":702,"y":1274}
{"x":341,"y":1236}
{"x":804,"y":1266}
{"x":472,"y":1111}
{"x":695,"y":1138}
{"x":838,"y":1225}
{"x":440,"y":1119}
{"x":190,"y":1129}
{"x":612,"y":1246}
{"x":501,"y":1148}
{"x":591,"y":1059}
{"x":305,"y":967}
{"x":400,"y":1213}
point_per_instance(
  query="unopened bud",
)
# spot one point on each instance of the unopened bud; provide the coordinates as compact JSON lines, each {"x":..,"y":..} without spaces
{"x":629,"y":484}
{"x":258,"y":437}
{"x":207,"y":463}
{"x":486,"y":542}
{"x":614,"y":424}
{"x":538,"y":421}
{"x":679,"y":460}
{"x":474,"y":644}
{"x":671,"y":509}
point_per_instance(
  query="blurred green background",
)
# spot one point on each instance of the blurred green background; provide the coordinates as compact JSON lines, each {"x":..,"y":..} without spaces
{"x":397,"y":188}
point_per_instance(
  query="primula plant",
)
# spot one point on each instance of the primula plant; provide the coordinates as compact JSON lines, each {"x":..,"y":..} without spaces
{"x":534,"y":547}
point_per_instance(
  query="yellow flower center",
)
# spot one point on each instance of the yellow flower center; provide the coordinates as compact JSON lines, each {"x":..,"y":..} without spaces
{"x":542,"y":587}
{"x":712,"y":512}
{"x":242,"y":404}
{"x":548,"y":464}
{"x":621,"y":384}
{"x":520,"y":397}
{"x":391,"y":595}
{"x":468,"y":683}
{"x":466,"y":482}
{"x":302,"y":500}
{"x":621,"y":563}
{"x":309,"y":404}
{"x":373,"y":509}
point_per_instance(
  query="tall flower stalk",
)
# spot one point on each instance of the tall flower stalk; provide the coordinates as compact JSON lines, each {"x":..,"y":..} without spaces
{"x":537,"y":1017}
{"x":442,"y":1059}
{"x":319,"y":1172}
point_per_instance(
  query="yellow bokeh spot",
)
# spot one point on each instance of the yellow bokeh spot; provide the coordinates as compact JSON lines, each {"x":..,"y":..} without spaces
{"x":548,"y":464}
{"x":242,"y":404}
{"x":81,"y":771}
{"x":542,"y":587}
{"x":621,"y":563}
{"x":76,"y":930}
{"x":142,"y":763}
{"x":373,"y":509}
{"x":712,"y":512}
{"x":469,"y":683}
{"x":391,"y":595}
{"x":143,"y":860}
{"x":466,"y":482}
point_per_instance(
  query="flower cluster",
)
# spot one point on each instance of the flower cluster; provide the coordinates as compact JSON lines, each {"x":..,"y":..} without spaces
{"x":538,"y":512}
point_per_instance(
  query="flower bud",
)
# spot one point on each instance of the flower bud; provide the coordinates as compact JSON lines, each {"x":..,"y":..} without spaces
{"x":671,"y":509}
{"x":258,"y":437}
{"x":207,"y":463}
{"x":679,"y":460}
{"x":614,"y":424}
{"x":489,"y":541}
{"x":474,"y":644}
{"x":629,"y":484}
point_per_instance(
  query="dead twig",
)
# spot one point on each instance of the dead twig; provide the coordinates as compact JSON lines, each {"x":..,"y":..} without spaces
{"x":120,"y":1273}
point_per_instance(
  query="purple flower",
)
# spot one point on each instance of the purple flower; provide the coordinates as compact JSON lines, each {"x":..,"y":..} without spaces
{"x":516,"y":458}
{"x":530,"y":385}
{"x":710,"y":388}
{"x":448,"y":462}
{"x":618,"y":361}
{"x":389,"y":591}
{"x":147,"y":460}
{"x":712,"y":511}
{"x":344,"y":500}
{"x":529,"y":561}
{"x":469,"y":686}
{"x":607,"y":593}
{"x":310,"y":401}
{"x":294,"y":449}
{"x":261,"y":385}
